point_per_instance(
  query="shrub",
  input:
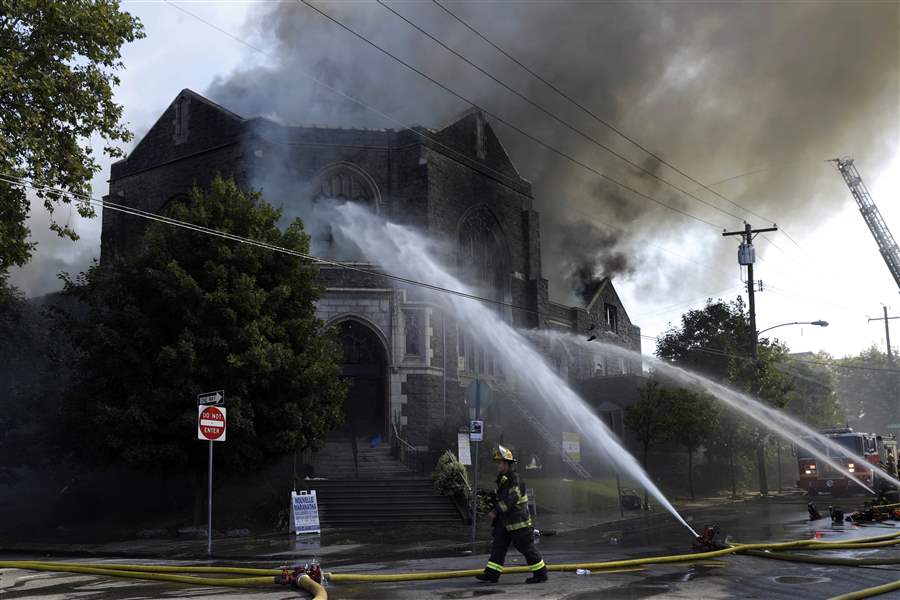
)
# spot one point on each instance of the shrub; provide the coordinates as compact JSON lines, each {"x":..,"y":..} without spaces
{"x":450,"y":478}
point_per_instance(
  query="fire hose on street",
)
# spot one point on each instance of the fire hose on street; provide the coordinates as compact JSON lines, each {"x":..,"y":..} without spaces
{"x":310,"y":578}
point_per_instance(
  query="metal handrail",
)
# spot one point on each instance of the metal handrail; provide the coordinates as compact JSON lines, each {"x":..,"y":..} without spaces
{"x":404,"y":449}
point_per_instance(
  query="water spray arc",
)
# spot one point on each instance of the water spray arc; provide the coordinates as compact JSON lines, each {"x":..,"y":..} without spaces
{"x":400,"y":250}
{"x":774,"y":420}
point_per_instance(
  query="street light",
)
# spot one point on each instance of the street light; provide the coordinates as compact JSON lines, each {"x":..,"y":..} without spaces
{"x":818,"y":323}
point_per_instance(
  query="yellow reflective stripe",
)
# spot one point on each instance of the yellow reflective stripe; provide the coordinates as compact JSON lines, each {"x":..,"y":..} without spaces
{"x":536,"y":566}
{"x":502,"y":506}
{"x":523,"y":499}
{"x":496,"y":567}
{"x":519,"y":525}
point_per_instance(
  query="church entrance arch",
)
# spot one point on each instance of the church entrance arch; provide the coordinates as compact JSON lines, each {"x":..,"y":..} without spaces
{"x":365,"y":365}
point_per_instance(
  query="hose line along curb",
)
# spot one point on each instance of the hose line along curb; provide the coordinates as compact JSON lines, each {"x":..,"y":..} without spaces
{"x":265,"y":576}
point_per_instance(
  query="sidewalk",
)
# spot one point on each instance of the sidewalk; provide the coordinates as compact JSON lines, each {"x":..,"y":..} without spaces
{"x":343,"y":546}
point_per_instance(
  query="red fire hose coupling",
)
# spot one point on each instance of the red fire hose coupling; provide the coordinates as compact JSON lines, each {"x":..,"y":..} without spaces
{"x":291,"y":575}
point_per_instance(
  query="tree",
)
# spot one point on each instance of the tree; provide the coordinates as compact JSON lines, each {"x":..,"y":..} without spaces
{"x":715,"y":341}
{"x":58,"y":64}
{"x":813,"y":398}
{"x":692,"y":422}
{"x":648,"y":418}
{"x":190,"y":313}
{"x":868,"y":395}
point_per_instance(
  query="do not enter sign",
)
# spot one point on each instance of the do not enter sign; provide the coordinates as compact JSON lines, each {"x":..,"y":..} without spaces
{"x":211,"y":423}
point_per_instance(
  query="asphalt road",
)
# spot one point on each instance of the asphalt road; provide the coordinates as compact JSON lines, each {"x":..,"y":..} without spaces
{"x":731,"y":577}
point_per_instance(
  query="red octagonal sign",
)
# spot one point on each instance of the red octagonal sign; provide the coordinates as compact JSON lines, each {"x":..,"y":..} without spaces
{"x":211,"y":423}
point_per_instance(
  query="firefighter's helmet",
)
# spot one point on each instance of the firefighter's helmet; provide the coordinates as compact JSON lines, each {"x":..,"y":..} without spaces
{"x":504,"y":453}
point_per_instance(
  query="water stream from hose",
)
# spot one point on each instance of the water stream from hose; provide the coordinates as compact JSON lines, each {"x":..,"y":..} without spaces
{"x":402,"y":251}
{"x":770,"y":418}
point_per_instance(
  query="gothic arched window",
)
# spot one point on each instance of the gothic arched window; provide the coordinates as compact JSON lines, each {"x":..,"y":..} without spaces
{"x":341,"y":182}
{"x":345,"y":181}
{"x":482,"y":254}
{"x":484,"y":266}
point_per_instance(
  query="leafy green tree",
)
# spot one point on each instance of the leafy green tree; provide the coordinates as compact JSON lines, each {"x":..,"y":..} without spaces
{"x":813,"y":398}
{"x":691,"y":423}
{"x":869,"y":395}
{"x":190,"y":313}
{"x":715,"y":341}
{"x":648,"y":417}
{"x":58,"y":64}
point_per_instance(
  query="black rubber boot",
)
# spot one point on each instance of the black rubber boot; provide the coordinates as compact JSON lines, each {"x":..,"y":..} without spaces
{"x":538,"y":577}
{"x":489,"y":575}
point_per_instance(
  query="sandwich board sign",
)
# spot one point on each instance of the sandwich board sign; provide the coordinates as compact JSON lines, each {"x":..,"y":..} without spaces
{"x":305,"y":512}
{"x":465,"y":454}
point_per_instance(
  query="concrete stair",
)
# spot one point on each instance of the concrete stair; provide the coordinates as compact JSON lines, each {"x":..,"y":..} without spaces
{"x":335,"y":461}
{"x":361,"y":503}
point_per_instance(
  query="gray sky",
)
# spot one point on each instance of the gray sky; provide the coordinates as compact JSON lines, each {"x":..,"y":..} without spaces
{"x":719,"y":89}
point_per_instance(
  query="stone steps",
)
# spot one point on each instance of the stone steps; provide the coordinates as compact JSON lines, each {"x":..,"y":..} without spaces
{"x":371,"y":502}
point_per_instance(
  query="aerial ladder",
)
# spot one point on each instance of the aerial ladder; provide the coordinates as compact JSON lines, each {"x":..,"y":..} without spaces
{"x":872,"y":216}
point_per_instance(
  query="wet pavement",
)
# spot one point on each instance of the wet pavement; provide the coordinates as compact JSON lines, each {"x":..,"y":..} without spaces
{"x":729,"y":577}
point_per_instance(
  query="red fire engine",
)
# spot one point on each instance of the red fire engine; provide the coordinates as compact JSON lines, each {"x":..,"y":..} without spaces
{"x":817,"y":477}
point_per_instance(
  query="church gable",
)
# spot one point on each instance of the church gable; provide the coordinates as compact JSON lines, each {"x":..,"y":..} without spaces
{"x":472,"y":135}
{"x":607,"y":309}
{"x":190,"y":124}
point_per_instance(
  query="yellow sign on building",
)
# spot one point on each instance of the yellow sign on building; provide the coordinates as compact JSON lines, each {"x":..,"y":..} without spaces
{"x":571,"y":446}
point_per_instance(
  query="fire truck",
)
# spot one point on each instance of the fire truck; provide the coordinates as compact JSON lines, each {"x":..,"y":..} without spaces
{"x":817,"y":477}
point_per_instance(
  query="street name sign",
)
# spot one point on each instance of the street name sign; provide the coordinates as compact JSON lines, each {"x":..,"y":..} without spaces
{"x":211,"y":398}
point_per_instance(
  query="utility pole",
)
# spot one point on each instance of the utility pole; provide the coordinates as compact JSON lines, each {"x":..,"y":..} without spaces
{"x":746,"y":257}
{"x":887,"y":335}
{"x":887,"y":338}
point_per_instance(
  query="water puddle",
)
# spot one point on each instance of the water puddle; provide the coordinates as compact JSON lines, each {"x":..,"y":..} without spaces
{"x":799,"y":579}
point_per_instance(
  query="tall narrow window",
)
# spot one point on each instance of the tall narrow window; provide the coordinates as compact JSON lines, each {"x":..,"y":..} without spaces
{"x":479,"y":137}
{"x":181,"y":120}
{"x":612,"y":320}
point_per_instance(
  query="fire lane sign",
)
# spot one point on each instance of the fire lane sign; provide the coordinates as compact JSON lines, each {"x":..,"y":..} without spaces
{"x":211,"y":423}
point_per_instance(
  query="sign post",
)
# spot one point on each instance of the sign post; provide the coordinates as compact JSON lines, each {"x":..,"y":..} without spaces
{"x":476,"y":437}
{"x":211,"y":422}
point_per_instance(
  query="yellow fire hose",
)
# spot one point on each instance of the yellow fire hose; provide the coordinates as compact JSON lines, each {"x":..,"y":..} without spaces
{"x":869,"y":592}
{"x":265,"y":576}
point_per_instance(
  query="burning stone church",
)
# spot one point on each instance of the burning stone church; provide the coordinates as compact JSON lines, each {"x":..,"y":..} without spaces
{"x":408,"y":361}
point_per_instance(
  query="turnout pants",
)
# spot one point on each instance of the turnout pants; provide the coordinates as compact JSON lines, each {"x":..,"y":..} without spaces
{"x":523,"y":540}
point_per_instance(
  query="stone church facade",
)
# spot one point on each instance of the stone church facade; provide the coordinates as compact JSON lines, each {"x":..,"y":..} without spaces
{"x":409,"y":362}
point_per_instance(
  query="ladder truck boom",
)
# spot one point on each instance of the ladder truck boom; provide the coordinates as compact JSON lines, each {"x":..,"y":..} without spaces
{"x":871,"y":215}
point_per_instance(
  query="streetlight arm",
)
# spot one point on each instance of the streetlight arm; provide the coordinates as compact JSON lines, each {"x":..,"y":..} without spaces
{"x":818,"y":323}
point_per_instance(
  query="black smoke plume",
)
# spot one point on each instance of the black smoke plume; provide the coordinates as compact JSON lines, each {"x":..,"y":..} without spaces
{"x":720,"y":88}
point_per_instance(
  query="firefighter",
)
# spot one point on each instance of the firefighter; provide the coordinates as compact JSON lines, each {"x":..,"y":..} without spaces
{"x":511,"y":523}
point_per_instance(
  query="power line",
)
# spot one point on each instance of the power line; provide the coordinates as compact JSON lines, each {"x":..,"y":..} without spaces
{"x":13,"y":180}
{"x":687,"y":303}
{"x":244,"y":240}
{"x":554,"y":116}
{"x":415,"y":130}
{"x":609,"y":125}
{"x":835,"y":365}
{"x":500,"y":119}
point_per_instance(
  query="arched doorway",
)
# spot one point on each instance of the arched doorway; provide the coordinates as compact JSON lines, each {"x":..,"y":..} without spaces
{"x":365,"y":364}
